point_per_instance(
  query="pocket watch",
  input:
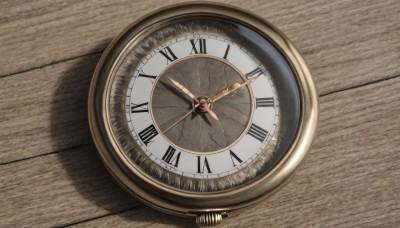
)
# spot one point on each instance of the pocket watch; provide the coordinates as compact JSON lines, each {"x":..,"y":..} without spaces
{"x":202,"y":109}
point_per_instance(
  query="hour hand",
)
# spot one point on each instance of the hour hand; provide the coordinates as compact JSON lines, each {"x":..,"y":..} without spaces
{"x":204,"y":106}
{"x":184,"y":90}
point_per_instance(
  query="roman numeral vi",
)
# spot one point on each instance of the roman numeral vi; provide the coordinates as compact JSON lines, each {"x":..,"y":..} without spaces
{"x":202,"y":164}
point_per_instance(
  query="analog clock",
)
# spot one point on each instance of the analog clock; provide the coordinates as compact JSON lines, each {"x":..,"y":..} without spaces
{"x":201,"y":109}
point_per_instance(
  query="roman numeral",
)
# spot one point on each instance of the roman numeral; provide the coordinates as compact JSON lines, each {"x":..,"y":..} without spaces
{"x":234,"y":157}
{"x":135,"y":108}
{"x":257,"y":132}
{"x":254,"y":73}
{"x":146,"y":75}
{"x":227,"y":51}
{"x":167,"y":53}
{"x":202,"y":164}
{"x":265,"y":102}
{"x":148,"y":134}
{"x":199,"y":46}
{"x":170,"y":158}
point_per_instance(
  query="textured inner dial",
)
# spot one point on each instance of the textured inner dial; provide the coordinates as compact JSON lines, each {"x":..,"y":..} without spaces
{"x":199,"y":132}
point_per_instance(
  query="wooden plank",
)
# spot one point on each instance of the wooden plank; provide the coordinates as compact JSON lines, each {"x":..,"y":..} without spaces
{"x":349,"y":178}
{"x":346,"y":43}
{"x":56,"y":189}
{"x":355,"y":41}
{"x":142,"y":217}
{"x":45,"y":110}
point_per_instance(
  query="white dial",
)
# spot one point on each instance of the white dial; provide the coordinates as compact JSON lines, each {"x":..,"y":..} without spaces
{"x":185,"y":156}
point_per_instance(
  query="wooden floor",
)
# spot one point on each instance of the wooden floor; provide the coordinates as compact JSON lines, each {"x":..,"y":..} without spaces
{"x":51,"y":175}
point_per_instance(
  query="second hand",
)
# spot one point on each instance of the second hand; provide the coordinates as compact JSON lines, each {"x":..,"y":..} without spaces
{"x":180,"y":119}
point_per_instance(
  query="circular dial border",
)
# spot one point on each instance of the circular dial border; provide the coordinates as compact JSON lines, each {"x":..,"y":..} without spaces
{"x":170,"y":155}
{"x":177,"y":201}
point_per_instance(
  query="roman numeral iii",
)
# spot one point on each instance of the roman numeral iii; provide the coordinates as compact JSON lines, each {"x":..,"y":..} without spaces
{"x":265,"y":102}
{"x":201,"y":165}
{"x":257,"y":132}
{"x":167,"y":53}
{"x":148,"y":134}
{"x":198,"y":46}
{"x":170,"y":158}
{"x":135,"y":108}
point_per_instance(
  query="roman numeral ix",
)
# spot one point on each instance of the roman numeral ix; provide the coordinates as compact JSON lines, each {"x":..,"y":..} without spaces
{"x":148,"y":134}
{"x":202,"y":164}
{"x":265,"y":102}
{"x":135,"y":108}
{"x":167,"y":53}
{"x":199,"y":46}
{"x":170,"y":158}
{"x":257,"y":132}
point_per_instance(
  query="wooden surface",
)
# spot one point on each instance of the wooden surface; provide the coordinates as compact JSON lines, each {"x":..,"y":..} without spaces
{"x":51,"y":175}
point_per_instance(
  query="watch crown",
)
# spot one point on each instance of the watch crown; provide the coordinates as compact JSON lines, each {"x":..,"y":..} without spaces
{"x":209,"y":219}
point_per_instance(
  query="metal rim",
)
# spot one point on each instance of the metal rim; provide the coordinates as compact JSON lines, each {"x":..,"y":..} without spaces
{"x":186,"y":203}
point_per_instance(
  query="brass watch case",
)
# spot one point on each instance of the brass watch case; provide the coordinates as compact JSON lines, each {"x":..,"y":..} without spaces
{"x":180,"y":202}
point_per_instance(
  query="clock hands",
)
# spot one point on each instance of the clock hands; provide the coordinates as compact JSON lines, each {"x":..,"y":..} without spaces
{"x":180,"y":119}
{"x":233,"y":88}
{"x":184,"y":90}
{"x":203,"y":102}
{"x":204,"y":105}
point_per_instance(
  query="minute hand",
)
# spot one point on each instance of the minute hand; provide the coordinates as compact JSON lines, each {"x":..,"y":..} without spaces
{"x":184,"y":90}
{"x":233,"y":88}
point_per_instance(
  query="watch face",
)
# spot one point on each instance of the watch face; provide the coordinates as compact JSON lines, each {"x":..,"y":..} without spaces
{"x":191,"y":142}
{"x":201,"y":109}
{"x":204,"y":104}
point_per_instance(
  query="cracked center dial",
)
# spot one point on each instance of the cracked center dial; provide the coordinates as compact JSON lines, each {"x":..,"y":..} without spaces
{"x":199,"y":132}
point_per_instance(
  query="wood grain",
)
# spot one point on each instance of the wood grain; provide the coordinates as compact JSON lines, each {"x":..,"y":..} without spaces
{"x":349,"y":179}
{"x":50,"y":174}
{"x":52,"y":116}
{"x":58,"y":189}
{"x":52,"y":110}
{"x":45,"y":110}
{"x":355,"y":40}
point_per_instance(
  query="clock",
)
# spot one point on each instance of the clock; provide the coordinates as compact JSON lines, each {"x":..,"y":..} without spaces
{"x":202,"y":109}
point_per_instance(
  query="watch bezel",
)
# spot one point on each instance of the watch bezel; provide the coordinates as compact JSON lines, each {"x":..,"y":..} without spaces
{"x":180,"y":202}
